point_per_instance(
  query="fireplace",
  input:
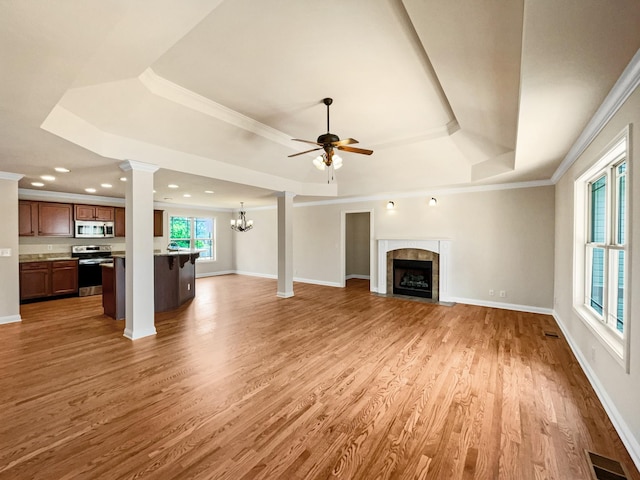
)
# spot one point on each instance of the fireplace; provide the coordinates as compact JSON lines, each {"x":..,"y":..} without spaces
{"x":436,"y":251}
{"x":413,"y":278}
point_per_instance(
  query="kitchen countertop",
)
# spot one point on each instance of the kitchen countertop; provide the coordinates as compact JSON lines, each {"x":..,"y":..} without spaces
{"x":43,"y":257}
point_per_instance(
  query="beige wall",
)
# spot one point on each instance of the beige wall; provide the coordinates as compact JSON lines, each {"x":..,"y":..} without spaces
{"x":9,"y":286}
{"x":621,"y":388}
{"x":501,"y":240}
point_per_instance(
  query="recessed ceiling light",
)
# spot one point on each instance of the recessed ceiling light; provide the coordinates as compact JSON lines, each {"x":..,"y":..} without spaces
{"x":186,"y":195}
{"x":90,"y":190}
{"x":61,"y":170}
{"x":208,"y":191}
{"x":106,"y":185}
{"x":48,"y":178}
{"x":172,"y":185}
{"x":123,"y":179}
{"x":37,"y":184}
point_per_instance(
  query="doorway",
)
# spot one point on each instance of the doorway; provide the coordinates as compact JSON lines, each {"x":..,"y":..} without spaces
{"x":357,"y":247}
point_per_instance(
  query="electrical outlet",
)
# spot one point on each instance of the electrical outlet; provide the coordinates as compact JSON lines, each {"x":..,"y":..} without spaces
{"x":491,"y":293}
{"x":503,"y":293}
{"x":5,"y":252}
{"x":593,"y":353}
{"x":49,"y":247}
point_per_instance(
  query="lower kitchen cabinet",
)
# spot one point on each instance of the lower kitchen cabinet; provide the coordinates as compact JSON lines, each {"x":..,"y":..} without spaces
{"x":48,"y":279}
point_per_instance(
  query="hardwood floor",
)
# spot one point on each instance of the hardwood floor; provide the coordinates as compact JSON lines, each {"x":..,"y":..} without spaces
{"x":332,"y":383}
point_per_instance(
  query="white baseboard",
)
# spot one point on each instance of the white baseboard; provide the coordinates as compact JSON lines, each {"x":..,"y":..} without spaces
{"x":626,"y":434}
{"x":361,"y":277}
{"x":135,"y":335}
{"x":254,"y":274}
{"x":317,"y":282}
{"x":504,"y":306}
{"x":10,"y":319}
{"x":215,"y":274}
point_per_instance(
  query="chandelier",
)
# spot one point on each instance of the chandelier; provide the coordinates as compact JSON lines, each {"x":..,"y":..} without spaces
{"x":241,"y":224}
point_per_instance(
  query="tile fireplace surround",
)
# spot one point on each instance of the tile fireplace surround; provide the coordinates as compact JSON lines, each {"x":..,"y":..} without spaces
{"x":441,"y":247}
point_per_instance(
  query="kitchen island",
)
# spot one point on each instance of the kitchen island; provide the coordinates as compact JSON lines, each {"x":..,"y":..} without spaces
{"x":174,"y":282}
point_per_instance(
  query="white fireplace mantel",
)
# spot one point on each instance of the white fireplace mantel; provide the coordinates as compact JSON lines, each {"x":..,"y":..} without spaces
{"x":439,"y":246}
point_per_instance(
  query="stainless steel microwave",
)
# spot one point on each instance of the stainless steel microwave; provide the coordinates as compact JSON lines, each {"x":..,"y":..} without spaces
{"x":94,"y":229}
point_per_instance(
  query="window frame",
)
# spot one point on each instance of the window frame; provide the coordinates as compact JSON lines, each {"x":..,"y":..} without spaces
{"x":603,"y":326}
{"x":192,"y":231}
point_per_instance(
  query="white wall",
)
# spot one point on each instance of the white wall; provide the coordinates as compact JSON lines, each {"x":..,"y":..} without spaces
{"x":619,"y":391}
{"x":9,"y":286}
{"x":501,"y":240}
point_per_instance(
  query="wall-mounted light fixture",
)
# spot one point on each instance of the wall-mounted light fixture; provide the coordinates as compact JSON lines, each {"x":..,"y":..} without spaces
{"x":390,"y":205}
{"x":433,"y":202}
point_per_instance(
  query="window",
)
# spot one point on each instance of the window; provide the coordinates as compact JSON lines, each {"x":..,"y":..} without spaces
{"x":601,"y":248}
{"x":194,"y":233}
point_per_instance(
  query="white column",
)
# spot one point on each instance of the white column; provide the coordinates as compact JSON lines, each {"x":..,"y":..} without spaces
{"x":9,"y":269}
{"x":139,"y":298}
{"x":285,"y":244}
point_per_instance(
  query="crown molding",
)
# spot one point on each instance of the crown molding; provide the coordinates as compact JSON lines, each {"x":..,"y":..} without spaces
{"x":430,"y":193}
{"x":11,"y":176}
{"x":623,"y":88}
{"x":28,"y":194}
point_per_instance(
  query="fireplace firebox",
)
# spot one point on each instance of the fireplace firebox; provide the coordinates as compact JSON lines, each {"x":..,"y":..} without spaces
{"x":413,"y":278}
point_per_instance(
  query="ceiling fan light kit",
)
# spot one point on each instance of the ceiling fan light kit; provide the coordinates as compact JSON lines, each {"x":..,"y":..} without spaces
{"x":328,"y":142}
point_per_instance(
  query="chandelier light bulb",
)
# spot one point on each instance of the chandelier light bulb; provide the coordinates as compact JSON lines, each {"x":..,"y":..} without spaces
{"x":433,"y":202}
{"x":337,"y":161}
{"x":390,"y":205}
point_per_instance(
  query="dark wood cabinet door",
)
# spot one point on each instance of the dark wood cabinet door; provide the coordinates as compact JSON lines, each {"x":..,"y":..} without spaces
{"x":34,"y":280}
{"x":55,"y":219}
{"x":120,"y":221}
{"x":104,"y":214}
{"x":64,"y":277}
{"x":27,"y":218}
{"x":158,"y":226}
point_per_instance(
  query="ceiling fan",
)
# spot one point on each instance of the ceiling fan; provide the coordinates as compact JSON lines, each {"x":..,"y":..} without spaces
{"x":327,"y":142}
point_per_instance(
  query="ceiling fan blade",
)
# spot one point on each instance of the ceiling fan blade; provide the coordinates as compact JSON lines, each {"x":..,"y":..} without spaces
{"x":346,"y":141}
{"x":306,"y":141}
{"x":364,"y":151}
{"x":306,"y":151}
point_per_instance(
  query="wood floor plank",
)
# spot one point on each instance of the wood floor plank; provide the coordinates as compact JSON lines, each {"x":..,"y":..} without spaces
{"x":331,"y":383}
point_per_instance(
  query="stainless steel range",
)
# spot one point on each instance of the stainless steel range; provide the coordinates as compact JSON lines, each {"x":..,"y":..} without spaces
{"x":90,"y":259}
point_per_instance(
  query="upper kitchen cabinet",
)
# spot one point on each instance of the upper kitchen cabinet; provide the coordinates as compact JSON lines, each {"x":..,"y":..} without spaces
{"x":27,"y":218}
{"x":119,"y":222}
{"x":55,"y":219}
{"x":158,"y":224}
{"x":94,"y":213}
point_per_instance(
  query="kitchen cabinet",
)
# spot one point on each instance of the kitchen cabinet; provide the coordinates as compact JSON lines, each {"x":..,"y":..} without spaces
{"x":34,"y":280}
{"x":94,"y":213}
{"x":64,"y":277}
{"x":158,"y":227}
{"x":120,"y":221}
{"x":27,"y":218}
{"x":55,"y":219}
{"x":48,"y":278}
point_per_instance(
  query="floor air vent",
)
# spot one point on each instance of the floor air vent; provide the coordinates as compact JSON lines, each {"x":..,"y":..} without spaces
{"x":603,"y":468}
{"x":551,"y":334}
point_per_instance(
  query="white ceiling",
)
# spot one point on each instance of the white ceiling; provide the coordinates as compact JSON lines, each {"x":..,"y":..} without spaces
{"x":446,"y":93}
